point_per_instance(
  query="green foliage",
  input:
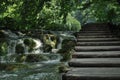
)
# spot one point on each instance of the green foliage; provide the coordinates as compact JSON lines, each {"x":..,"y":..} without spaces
{"x":98,"y":11}
{"x":73,"y":24}
{"x":3,"y":48}
{"x":46,"y":14}
{"x":27,"y":14}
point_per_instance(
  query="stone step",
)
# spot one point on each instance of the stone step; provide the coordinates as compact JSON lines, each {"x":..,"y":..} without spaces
{"x":105,"y":43}
{"x":94,"y":32}
{"x":104,"y":54}
{"x":97,"y":48}
{"x":89,"y":34}
{"x":95,"y":29}
{"x":95,"y":62}
{"x":92,"y":74}
{"x":97,"y":39}
{"x":95,"y":36}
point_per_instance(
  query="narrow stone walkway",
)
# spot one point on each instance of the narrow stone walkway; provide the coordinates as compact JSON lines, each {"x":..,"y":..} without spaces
{"x":97,"y":55}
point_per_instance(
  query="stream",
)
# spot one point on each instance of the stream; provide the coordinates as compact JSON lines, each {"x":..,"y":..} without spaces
{"x":33,"y":68}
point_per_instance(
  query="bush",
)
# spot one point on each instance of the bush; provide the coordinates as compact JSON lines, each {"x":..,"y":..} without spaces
{"x":9,"y":23}
{"x":73,"y":24}
{"x":56,"y":27}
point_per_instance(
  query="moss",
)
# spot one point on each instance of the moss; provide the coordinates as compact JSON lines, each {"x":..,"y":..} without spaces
{"x":63,"y":68}
{"x":68,"y":44}
{"x":66,"y":54}
{"x":2,"y":35}
{"x":50,"y":42}
{"x":47,"y":48}
{"x":30,"y":43}
{"x":36,"y":58}
{"x":3,"y":48}
{"x":67,"y":49}
{"x":21,"y":58}
{"x":12,"y":67}
{"x":19,"y":49}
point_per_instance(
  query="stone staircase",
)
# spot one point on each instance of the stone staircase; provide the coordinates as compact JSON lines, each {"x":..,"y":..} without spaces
{"x":97,"y":55}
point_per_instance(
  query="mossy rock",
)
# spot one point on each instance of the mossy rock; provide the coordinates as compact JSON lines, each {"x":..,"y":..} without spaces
{"x":63,"y":68}
{"x":68,"y":44}
{"x":19,"y":49}
{"x":47,"y":48}
{"x":36,"y":58}
{"x":21,"y":58}
{"x":2,"y":35}
{"x":30,"y":43}
{"x":50,"y":39}
{"x":66,"y":54}
{"x":12,"y":67}
{"x":3,"y":48}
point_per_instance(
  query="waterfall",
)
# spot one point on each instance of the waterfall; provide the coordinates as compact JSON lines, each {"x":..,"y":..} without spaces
{"x":14,"y":39}
{"x":60,"y":43}
{"x":11,"y":46}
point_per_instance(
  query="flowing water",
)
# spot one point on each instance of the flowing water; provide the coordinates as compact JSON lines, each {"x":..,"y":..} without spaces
{"x":46,"y":70}
{"x":43,"y":70}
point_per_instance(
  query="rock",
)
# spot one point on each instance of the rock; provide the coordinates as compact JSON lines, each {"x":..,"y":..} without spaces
{"x":67,"y":49}
{"x":12,"y":67}
{"x":21,"y":58}
{"x":47,"y":48}
{"x":36,"y":58}
{"x":63,"y":69}
{"x":68,"y":44}
{"x":19,"y":49}
{"x":3,"y":48}
{"x":29,"y":42}
{"x":66,"y":54}
{"x":50,"y":42}
{"x":2,"y":34}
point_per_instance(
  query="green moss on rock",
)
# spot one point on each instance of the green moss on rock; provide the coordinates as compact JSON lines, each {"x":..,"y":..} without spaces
{"x":12,"y":67}
{"x":36,"y":58}
{"x":19,"y":49}
{"x":50,"y":42}
{"x":3,"y":48}
{"x":30,"y":43}
{"x":63,"y":68}
{"x":67,"y":49}
{"x":21,"y":58}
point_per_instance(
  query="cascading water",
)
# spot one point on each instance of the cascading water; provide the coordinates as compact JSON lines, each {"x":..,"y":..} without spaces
{"x":13,"y":40}
{"x":40,"y":70}
{"x":63,"y":35}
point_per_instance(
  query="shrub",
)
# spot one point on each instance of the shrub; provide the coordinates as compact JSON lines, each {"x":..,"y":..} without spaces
{"x":73,"y":24}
